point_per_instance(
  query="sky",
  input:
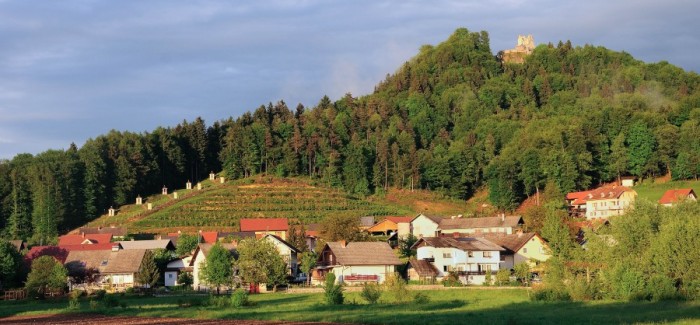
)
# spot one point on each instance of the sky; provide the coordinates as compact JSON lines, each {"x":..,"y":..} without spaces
{"x":73,"y":70}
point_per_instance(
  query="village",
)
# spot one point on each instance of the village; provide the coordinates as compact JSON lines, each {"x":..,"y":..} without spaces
{"x":464,"y":250}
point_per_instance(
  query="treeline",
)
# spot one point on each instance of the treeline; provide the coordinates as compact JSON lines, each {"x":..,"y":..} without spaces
{"x":452,"y":119}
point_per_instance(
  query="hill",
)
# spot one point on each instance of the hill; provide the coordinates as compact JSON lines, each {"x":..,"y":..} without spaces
{"x":454,"y":119}
{"x":220,"y":206}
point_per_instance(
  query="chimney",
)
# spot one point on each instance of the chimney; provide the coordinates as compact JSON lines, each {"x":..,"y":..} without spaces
{"x":455,"y":235}
{"x":503,"y":217}
{"x":115,"y":247}
{"x":343,"y":243}
{"x":83,"y":234}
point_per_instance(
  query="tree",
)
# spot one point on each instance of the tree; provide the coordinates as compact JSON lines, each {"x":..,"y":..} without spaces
{"x":618,"y":156}
{"x":556,"y":232}
{"x":186,"y":244}
{"x":217,"y":269}
{"x":406,"y":244}
{"x":46,"y":275}
{"x":522,"y":272}
{"x":308,"y":263}
{"x":297,"y":236}
{"x":260,"y":262}
{"x":332,"y":292}
{"x":10,"y":262}
{"x":148,"y":272}
{"x":339,"y":227}
{"x":185,"y":280}
{"x":641,"y":147}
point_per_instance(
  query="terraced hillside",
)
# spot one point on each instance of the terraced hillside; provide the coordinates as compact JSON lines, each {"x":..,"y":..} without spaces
{"x":220,"y":206}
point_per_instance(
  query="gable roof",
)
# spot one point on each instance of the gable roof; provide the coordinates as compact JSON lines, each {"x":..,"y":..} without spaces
{"x":383,"y":225}
{"x":367,"y":221}
{"x":209,"y":236}
{"x":363,"y":253}
{"x":59,"y":253}
{"x":606,"y":193}
{"x":205,"y":248}
{"x":284,"y":242}
{"x":461,"y":243}
{"x":114,"y":231}
{"x":435,"y":219}
{"x":121,"y":261}
{"x":673,"y":196}
{"x":80,"y":239}
{"x":511,"y":242}
{"x":485,"y":222}
{"x":91,"y":247}
{"x":264,"y":224}
{"x":148,"y":244}
{"x":423,"y":267}
{"x":398,"y":220}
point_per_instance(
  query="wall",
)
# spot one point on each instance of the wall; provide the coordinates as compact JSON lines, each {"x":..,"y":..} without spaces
{"x":534,"y":249}
{"x":424,"y":227}
{"x":380,"y":270}
{"x":171,"y":278}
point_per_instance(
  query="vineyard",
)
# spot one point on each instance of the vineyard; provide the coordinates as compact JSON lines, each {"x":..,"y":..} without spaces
{"x":220,"y":206}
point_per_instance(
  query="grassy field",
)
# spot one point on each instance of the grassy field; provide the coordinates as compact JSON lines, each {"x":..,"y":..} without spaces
{"x":470,"y":305}
{"x":653,"y":191}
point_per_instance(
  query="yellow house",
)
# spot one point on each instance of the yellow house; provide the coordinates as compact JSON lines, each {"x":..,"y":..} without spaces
{"x":520,"y":248}
{"x":608,"y":201}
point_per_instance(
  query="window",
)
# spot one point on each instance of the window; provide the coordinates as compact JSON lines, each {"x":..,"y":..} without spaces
{"x":446,"y":255}
{"x":470,"y":253}
{"x":503,"y":258}
{"x":170,"y":275}
{"x":525,"y":250}
{"x":487,"y":254}
{"x":444,"y":268}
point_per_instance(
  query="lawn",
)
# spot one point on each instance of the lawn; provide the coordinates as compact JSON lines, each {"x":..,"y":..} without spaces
{"x":653,"y":191}
{"x":470,"y":305}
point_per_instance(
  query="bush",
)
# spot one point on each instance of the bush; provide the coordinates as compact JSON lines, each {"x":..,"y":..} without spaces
{"x":371,"y":292}
{"x":218,"y":302}
{"x":333,"y":292}
{"x":74,"y":300}
{"x":129,"y":291}
{"x":99,"y":294}
{"x":549,"y":294}
{"x":396,"y":286}
{"x":451,"y":280}
{"x":239,"y":298}
{"x":488,"y":279}
{"x":110,"y":301}
{"x":580,"y":289}
{"x":502,"y":277}
{"x":660,"y":287}
{"x":420,"y":298}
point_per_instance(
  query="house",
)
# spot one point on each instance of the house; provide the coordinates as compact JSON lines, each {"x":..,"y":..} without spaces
{"x":117,"y":233}
{"x":287,"y":251}
{"x":434,"y":226}
{"x":19,"y":245}
{"x":679,"y":195}
{"x":117,"y":268}
{"x":355,"y":262}
{"x":58,"y":253}
{"x":148,"y":244}
{"x":519,"y":248}
{"x":265,"y":226}
{"x":175,"y":268}
{"x":366,"y":222}
{"x":628,"y":181}
{"x":468,"y":257}
{"x":312,"y":234}
{"x":576,"y":203}
{"x":391,"y":225}
{"x":84,"y":239}
{"x":608,"y":201}
{"x":421,"y":270}
{"x":199,"y":257}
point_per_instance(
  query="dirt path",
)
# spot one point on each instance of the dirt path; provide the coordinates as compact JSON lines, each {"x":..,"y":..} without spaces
{"x":127,"y":320}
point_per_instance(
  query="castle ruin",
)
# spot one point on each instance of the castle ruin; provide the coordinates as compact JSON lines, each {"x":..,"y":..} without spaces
{"x":526,"y":44}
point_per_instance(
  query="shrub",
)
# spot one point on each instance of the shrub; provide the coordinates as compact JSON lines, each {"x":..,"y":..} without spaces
{"x":502,"y":277}
{"x":94,"y":304}
{"x":660,"y":287}
{"x":396,"y":286}
{"x":218,"y":302}
{"x":239,"y":298}
{"x":74,"y":300}
{"x":99,"y":294}
{"x":451,"y":280}
{"x":580,"y":289}
{"x":110,"y":301}
{"x":488,"y":279}
{"x":333,"y":292}
{"x":371,"y":292}
{"x":550,"y":294}
{"x":129,"y":291}
{"x":420,"y":298}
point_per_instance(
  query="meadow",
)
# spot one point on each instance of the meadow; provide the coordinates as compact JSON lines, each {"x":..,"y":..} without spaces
{"x":457,"y":306}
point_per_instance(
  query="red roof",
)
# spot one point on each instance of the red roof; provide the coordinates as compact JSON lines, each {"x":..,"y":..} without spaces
{"x":672,"y":196}
{"x":79,"y":239}
{"x":209,"y":237}
{"x":400,"y":219}
{"x":59,"y":253}
{"x":90,"y":247}
{"x":576,"y":195}
{"x":606,"y":193}
{"x":264,"y":224}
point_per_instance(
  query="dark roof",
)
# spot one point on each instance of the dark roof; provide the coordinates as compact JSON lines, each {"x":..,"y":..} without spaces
{"x":80,"y":239}
{"x":423,"y":267}
{"x":462,"y":243}
{"x":264,"y":224}
{"x":511,"y":242}
{"x":367,"y":221}
{"x":435,"y":219}
{"x":148,"y":244}
{"x":363,"y":253}
{"x":673,"y":196}
{"x":485,"y":222}
{"x":283,"y":242}
{"x":237,"y":234}
{"x":121,"y":261}
{"x":114,"y":231}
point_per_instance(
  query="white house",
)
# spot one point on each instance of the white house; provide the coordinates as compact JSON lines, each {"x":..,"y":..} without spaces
{"x":355,"y":262}
{"x":287,"y":251}
{"x":519,"y":248}
{"x":425,"y":226}
{"x":469,"y":258}
{"x":199,"y":257}
{"x":117,"y":268}
{"x":175,"y":268}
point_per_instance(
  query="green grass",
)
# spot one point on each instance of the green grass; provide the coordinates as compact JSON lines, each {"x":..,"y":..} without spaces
{"x":653,"y":191}
{"x":460,"y":306}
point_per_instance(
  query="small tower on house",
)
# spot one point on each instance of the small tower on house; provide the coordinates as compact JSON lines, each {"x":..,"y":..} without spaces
{"x":188,"y":185}
{"x":165,"y":190}
{"x":139,"y":200}
{"x":111,"y":212}
{"x":212,"y":176}
{"x":199,"y":186}
{"x":175,"y":196}
{"x":222,"y":179}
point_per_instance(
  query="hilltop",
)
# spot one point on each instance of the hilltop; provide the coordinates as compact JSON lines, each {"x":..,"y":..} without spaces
{"x":220,"y":206}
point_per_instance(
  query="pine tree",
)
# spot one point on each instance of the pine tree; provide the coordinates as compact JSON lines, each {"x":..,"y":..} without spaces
{"x":148,"y":272}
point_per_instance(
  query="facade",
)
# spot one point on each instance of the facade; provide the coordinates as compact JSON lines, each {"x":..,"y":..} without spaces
{"x":175,"y":268}
{"x":355,"y":262}
{"x":425,"y":226}
{"x":520,"y":248}
{"x":199,"y":257}
{"x":117,"y":268}
{"x":600,"y":203}
{"x":392,"y":225}
{"x":432,"y":226}
{"x":287,"y":251}
{"x":470,"y":258}
{"x":672,"y":197}
{"x":266,"y":226}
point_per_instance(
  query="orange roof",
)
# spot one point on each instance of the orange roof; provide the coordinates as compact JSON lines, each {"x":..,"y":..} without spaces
{"x":672,"y":196}
{"x":400,"y":219}
{"x":209,"y":237}
{"x":264,"y":224}
{"x":606,"y":193}
{"x":59,"y":253}
{"x":79,"y":239}
{"x":577,"y":195}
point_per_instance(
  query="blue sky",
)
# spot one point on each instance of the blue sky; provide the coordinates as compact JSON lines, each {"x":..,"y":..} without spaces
{"x":72,"y":70}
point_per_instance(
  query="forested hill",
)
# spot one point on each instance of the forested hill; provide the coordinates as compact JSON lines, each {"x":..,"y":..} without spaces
{"x":452,"y":119}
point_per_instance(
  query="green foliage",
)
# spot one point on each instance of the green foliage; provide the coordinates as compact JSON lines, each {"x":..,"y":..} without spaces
{"x":397,"y":288}
{"x":217,"y":269}
{"x":239,"y":298}
{"x":186,"y":244}
{"x":185,"y":280}
{"x":332,"y":292}
{"x":371,"y":292}
{"x":503,"y":277}
{"x":547,"y":293}
{"x":46,"y":275}
{"x":522,"y":273}
{"x":260,"y":262}
{"x":148,"y":273}
{"x":10,"y":264}
{"x":451,"y":280}
{"x":337,"y":227}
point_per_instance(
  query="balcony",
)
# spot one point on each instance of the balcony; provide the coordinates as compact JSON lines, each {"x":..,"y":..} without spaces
{"x":361,"y":278}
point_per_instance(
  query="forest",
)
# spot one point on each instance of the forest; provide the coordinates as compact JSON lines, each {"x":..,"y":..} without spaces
{"x":452,"y":119}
